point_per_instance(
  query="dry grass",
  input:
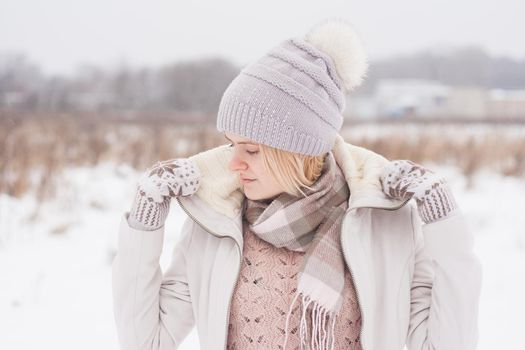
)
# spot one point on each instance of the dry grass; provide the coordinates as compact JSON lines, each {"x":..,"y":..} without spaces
{"x":494,"y":150}
{"x":33,"y":152}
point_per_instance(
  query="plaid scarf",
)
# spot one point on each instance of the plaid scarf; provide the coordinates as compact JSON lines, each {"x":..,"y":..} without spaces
{"x":310,"y":224}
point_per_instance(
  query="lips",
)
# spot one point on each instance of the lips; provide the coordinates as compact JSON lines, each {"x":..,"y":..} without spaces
{"x":243,"y":179}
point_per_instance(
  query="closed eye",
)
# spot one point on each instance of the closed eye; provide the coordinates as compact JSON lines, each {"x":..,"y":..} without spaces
{"x":249,"y":152}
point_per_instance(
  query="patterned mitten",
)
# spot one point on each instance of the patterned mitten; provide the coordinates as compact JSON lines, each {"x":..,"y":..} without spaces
{"x":402,"y":179}
{"x":156,"y":187}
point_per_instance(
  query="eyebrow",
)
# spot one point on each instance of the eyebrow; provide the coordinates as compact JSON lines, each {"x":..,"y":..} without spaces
{"x":242,"y":142}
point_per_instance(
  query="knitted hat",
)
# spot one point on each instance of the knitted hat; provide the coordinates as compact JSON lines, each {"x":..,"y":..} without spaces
{"x":293,"y":97}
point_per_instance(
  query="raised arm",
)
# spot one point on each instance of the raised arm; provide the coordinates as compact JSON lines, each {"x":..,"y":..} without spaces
{"x":153,"y":310}
{"x":447,"y":275}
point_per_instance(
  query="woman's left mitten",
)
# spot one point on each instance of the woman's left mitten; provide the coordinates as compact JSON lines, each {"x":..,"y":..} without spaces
{"x":403,"y":179}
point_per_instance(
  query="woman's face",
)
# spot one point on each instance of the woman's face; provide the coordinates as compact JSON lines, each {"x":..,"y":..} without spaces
{"x":247,"y":161}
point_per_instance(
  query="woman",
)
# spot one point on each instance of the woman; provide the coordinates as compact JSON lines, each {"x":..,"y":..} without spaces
{"x":295,"y":238}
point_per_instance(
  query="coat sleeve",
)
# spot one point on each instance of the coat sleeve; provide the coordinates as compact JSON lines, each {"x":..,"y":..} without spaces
{"x":446,"y":286}
{"x":152,"y":310}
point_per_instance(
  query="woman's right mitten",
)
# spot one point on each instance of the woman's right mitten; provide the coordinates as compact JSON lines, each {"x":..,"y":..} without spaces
{"x":156,"y":187}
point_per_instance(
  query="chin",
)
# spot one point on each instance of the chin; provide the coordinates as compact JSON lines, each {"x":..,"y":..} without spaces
{"x":251,"y":196}
{"x":261,"y":197}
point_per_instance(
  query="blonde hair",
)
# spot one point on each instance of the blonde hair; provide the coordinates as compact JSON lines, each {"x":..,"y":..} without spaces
{"x":293,"y":171}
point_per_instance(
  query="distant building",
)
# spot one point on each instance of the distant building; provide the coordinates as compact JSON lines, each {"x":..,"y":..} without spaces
{"x":411,"y":97}
{"x":506,"y":104}
{"x":360,"y":106}
{"x":398,"y":98}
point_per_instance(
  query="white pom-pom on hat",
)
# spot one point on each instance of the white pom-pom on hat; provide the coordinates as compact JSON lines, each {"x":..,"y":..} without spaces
{"x":337,"y":38}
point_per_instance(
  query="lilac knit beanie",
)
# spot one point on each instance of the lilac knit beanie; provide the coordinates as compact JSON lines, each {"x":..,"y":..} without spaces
{"x":293,"y":97}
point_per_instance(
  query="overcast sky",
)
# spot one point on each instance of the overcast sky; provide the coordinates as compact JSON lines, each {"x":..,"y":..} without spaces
{"x":59,"y":35}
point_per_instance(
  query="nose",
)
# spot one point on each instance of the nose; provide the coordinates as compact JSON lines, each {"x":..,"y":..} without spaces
{"x":237,"y":163}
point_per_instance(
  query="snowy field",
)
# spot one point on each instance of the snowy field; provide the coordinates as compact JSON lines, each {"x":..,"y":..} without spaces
{"x":55,"y":260}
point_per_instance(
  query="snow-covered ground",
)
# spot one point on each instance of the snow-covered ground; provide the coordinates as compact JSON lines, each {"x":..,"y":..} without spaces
{"x":55,"y":260}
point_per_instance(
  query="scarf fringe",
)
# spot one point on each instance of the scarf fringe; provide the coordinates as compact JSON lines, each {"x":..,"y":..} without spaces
{"x":319,"y":339}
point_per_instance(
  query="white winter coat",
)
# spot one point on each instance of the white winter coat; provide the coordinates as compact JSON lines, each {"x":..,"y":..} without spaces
{"x":417,"y":284}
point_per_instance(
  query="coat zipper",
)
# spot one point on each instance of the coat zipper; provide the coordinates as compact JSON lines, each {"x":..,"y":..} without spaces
{"x":350,"y":269}
{"x":356,"y":290}
{"x":238,"y":270}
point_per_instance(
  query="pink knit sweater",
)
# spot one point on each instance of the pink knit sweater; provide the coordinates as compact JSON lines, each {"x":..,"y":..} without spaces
{"x":265,"y":288}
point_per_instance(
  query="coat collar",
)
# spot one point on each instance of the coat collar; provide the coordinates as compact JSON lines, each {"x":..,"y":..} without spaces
{"x":221,"y":189}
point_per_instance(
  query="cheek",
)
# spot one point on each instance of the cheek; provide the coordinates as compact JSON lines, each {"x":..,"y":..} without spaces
{"x":257,"y":167}
{"x":265,"y":177}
